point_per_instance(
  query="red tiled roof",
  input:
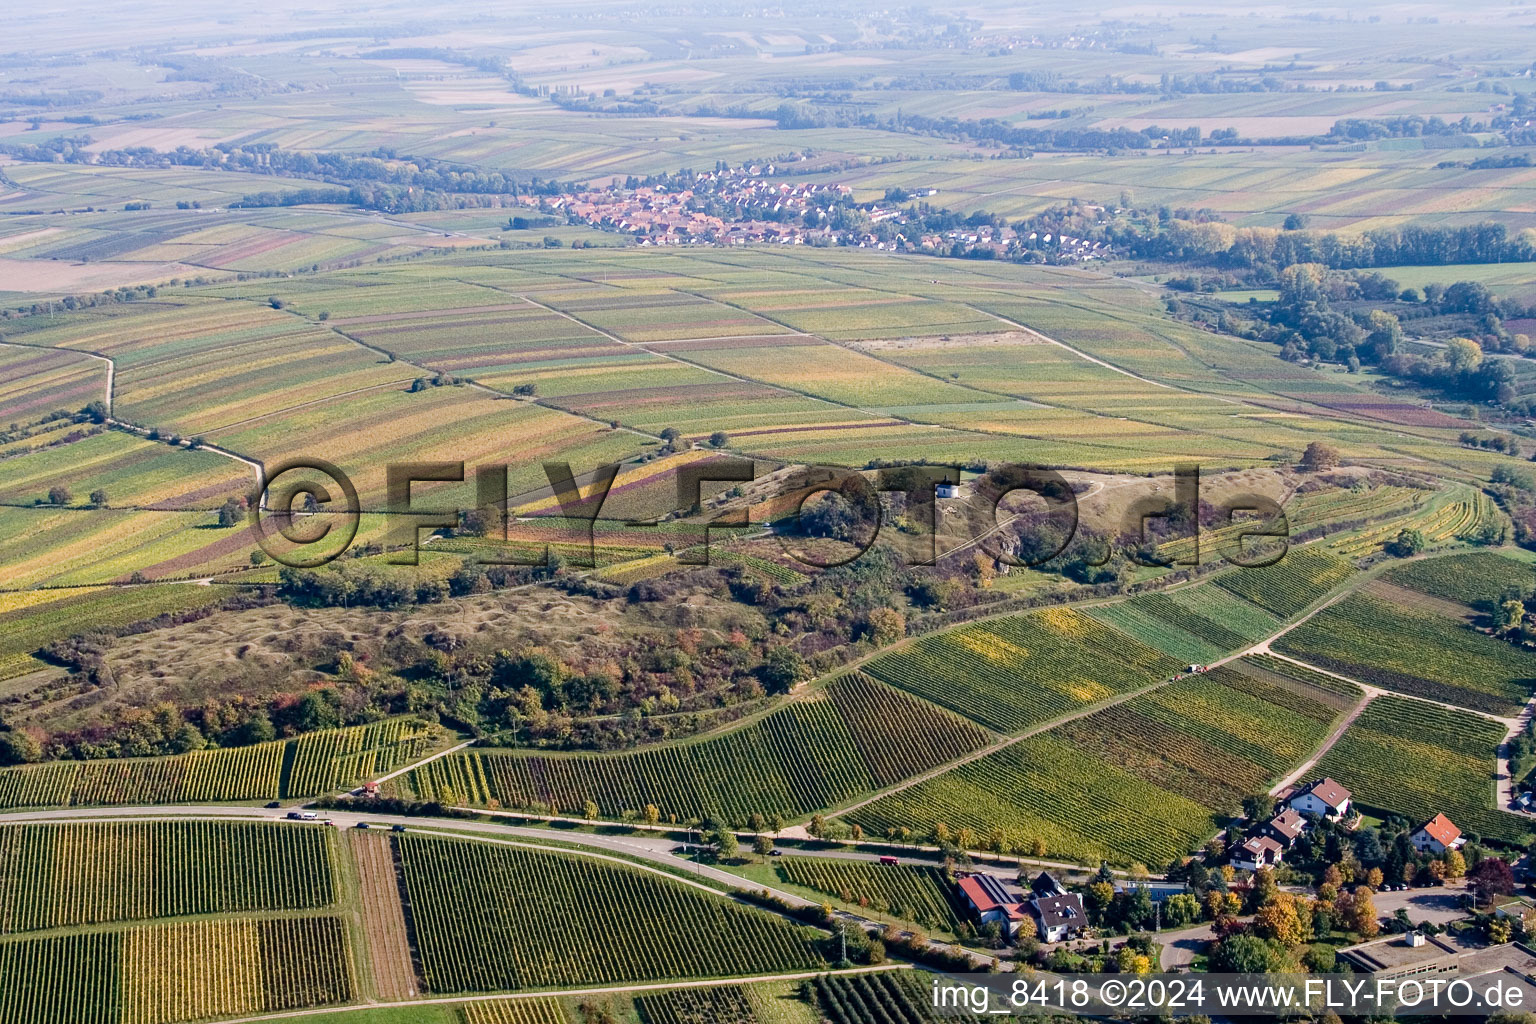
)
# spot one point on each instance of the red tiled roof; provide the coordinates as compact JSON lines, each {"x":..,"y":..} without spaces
{"x":1441,"y":830}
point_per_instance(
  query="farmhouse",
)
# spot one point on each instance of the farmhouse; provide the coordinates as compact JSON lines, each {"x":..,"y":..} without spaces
{"x":1258,"y":852}
{"x":1436,"y":836}
{"x":991,"y":902}
{"x":1322,"y":797}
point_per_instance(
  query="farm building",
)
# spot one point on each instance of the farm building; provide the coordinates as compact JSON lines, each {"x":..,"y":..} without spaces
{"x":1322,"y":797}
{"x":1156,"y":891}
{"x":1437,"y":835}
{"x":991,"y":902}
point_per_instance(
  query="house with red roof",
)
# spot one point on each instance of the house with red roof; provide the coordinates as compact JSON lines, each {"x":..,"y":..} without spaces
{"x":1437,"y":835}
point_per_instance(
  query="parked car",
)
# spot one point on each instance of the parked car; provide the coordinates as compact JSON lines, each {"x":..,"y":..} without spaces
{"x":274,"y":803}
{"x":295,"y":815}
{"x":308,"y":815}
{"x":775,"y":853}
{"x":397,"y":828}
{"x":363,"y":824}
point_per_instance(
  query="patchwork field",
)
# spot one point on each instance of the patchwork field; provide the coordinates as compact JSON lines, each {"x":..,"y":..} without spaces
{"x":1478,"y":578}
{"x":73,"y":874}
{"x":1011,"y":673}
{"x":1192,"y":749}
{"x":315,"y":763}
{"x":165,"y":974}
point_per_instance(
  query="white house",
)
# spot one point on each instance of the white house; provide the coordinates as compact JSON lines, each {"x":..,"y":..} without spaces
{"x":1322,"y":797}
{"x":1258,"y":852}
{"x":1436,"y":836}
{"x":945,"y":489}
{"x":1058,"y":917}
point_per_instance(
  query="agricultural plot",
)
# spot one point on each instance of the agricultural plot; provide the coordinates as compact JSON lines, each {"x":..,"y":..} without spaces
{"x":390,"y":960}
{"x":806,"y":364}
{"x":337,"y":758}
{"x":897,"y":997}
{"x":1275,"y":670}
{"x":227,"y":774}
{"x":1413,"y":652}
{"x":758,"y":1003}
{"x":166,"y":974}
{"x":1301,"y":577}
{"x":1195,"y":624}
{"x":72,"y":874}
{"x":133,"y":471}
{"x":1477,"y":578}
{"x":516,"y":1011}
{"x":1457,"y":514}
{"x":1192,"y":749}
{"x":37,"y":381}
{"x":1011,"y":673}
{"x":1414,"y":759}
{"x":860,"y":735}
{"x":490,"y":917}
{"x":366,"y":432}
{"x":917,"y":894}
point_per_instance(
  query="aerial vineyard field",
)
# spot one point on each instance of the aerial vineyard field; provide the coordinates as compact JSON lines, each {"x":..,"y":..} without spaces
{"x":223,"y":774}
{"x":1418,"y":760}
{"x":804,"y":756}
{"x":1014,"y":672}
{"x":1414,"y":652}
{"x":758,"y":1003}
{"x":895,"y":997}
{"x":490,"y":917}
{"x":1195,"y":624}
{"x":1477,"y":578}
{"x":1456,"y":516}
{"x":515,"y":1011}
{"x":917,"y":894}
{"x":1276,"y":670}
{"x":165,"y":974}
{"x":68,"y":874}
{"x":337,"y":758}
{"x":1302,"y":576}
{"x":1192,"y":749}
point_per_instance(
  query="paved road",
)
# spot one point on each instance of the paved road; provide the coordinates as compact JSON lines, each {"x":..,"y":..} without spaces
{"x":653,"y":850}
{"x":610,"y":990}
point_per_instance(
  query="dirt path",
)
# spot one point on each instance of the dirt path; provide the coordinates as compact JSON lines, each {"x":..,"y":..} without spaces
{"x":389,"y":947}
{"x":426,"y":760}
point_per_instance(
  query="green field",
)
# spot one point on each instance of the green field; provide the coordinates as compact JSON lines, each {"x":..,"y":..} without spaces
{"x":71,"y":874}
{"x":1015,"y":672}
{"x":1478,"y":578}
{"x":489,"y":917}
{"x":1414,"y":652}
